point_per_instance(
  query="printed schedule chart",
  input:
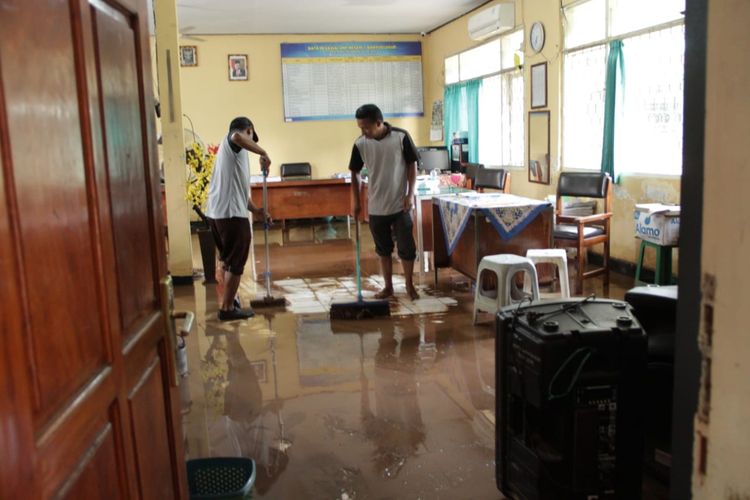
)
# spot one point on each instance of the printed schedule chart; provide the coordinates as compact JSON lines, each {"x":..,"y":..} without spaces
{"x":329,"y":81}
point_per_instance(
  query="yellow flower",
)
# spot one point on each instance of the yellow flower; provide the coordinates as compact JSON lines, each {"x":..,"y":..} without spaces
{"x":200,"y":165}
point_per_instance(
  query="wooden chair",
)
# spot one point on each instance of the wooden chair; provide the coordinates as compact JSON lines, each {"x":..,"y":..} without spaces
{"x":585,"y":231}
{"x":471,"y":170}
{"x":492,"y":178}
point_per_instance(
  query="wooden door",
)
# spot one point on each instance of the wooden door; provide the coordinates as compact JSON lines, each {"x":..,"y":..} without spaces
{"x":88,"y":404}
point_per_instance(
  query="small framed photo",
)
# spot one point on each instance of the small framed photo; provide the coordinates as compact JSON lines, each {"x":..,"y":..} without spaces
{"x":539,"y":85}
{"x":237,"y":67}
{"x":188,"y":55}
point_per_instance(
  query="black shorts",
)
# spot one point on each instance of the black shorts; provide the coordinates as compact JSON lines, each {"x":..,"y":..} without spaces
{"x":383,"y":229}
{"x":232,"y":237}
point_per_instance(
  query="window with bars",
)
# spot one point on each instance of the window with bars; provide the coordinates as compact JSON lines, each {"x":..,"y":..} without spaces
{"x":648,"y":121}
{"x":501,"y":129}
{"x":501,"y":96}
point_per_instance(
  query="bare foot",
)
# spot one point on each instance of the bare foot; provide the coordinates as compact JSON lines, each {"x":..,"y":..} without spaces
{"x":384,"y":293}
{"x":412,"y":293}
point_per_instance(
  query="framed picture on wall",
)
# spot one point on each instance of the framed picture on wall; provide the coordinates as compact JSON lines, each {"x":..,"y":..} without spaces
{"x":539,"y":85}
{"x":188,"y":55}
{"x":238,"y":67}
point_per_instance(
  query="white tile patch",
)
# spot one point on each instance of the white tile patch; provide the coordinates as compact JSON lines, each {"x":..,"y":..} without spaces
{"x":315,"y":295}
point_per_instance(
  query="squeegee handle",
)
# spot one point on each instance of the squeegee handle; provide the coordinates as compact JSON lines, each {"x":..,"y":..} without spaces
{"x":359,"y":270}
{"x":265,"y":231}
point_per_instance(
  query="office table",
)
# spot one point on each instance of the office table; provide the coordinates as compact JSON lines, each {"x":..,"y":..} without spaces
{"x":305,"y":199}
{"x":487,"y":224}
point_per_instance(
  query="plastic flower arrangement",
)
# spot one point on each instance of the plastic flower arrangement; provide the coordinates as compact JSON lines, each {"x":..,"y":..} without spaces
{"x":200,"y":165}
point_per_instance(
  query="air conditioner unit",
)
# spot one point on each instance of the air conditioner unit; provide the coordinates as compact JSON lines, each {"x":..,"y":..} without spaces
{"x":493,"y":21}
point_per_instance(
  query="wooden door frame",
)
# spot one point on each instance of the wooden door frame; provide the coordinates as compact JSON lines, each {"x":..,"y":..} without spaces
{"x":687,"y":370}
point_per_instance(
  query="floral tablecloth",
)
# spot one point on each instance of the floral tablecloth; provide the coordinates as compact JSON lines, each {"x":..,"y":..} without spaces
{"x":509,"y":214}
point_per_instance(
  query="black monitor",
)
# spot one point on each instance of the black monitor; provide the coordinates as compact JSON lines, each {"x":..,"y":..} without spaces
{"x":434,"y":158}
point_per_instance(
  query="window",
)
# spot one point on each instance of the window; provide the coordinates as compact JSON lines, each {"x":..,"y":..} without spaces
{"x":451,"y":70}
{"x":501,"y":97}
{"x":648,"y":122}
{"x":501,"y":130}
{"x":585,"y":23}
{"x":479,"y":61}
{"x":651,"y":129}
{"x":629,"y":16}
{"x":583,"y":107}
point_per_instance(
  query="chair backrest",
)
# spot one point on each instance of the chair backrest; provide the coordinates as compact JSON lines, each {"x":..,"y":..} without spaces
{"x":492,"y":178}
{"x":296,"y":170}
{"x":585,"y":184}
{"x":472,"y":169}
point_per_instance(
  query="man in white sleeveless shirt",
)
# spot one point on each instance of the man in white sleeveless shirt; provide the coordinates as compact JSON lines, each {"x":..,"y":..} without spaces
{"x":391,"y":160}
{"x":228,"y":203}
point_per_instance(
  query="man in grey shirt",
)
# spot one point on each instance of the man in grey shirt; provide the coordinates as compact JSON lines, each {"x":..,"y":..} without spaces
{"x":228,"y":203}
{"x":391,"y":160}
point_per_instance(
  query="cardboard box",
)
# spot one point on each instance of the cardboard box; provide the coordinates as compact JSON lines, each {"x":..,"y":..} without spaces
{"x":657,"y":223}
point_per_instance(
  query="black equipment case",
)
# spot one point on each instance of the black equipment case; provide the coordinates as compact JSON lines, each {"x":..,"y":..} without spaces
{"x":570,"y":378}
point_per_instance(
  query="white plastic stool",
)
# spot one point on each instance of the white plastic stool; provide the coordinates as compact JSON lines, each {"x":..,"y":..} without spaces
{"x":559,"y":258}
{"x":505,"y":266}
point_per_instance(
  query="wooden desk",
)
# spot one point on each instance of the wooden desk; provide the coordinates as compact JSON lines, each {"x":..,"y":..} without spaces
{"x":305,"y":199}
{"x":480,"y":239}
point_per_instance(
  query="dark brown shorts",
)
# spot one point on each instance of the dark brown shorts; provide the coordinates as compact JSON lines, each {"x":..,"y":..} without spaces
{"x":232,"y":237}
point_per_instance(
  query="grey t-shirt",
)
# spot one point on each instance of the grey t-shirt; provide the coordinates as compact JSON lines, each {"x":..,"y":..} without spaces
{"x":230,"y":183}
{"x":386,"y":160}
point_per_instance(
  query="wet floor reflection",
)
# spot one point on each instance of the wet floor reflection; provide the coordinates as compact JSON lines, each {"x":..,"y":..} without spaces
{"x":372,"y":409}
{"x":399,"y":407}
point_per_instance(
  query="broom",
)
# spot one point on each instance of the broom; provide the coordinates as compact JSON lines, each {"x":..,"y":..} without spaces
{"x":360,"y":309}
{"x":269,"y":300}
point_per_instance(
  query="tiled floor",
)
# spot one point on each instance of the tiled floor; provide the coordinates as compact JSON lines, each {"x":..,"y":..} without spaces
{"x":388,"y":408}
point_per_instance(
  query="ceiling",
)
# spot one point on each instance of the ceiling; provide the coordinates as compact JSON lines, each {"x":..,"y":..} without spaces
{"x":212,"y":17}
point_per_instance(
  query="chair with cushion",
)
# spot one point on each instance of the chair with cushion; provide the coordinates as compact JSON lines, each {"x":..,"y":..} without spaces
{"x":492,"y":178}
{"x":296,"y":171}
{"x":582,"y":232}
{"x":471,"y":170}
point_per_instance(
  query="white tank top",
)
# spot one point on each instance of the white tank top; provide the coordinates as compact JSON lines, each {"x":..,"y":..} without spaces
{"x":230,"y":184}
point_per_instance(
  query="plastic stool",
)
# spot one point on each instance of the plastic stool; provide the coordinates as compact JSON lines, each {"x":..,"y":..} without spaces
{"x":556,"y":256}
{"x":505,"y":266}
{"x":663,"y":271}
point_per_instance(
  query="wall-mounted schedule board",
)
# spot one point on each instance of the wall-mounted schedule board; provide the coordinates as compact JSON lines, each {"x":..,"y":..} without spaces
{"x":329,"y":81}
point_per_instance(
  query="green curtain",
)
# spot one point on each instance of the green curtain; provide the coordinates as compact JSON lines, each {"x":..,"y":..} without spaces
{"x":472,"y":108}
{"x":451,"y":112}
{"x":614,"y":80}
{"x":461,"y":112}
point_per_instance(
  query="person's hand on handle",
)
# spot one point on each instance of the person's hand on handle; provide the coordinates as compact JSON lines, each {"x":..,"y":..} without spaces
{"x":408,"y":203}
{"x":267,"y":217}
{"x":265,"y":163}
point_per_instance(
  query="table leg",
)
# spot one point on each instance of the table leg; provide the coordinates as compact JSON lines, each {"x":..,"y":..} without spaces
{"x":420,"y":242}
{"x":348,"y":227}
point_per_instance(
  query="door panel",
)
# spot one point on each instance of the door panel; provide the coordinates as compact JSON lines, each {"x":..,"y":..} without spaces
{"x":87,"y":409}
{"x":97,"y":473}
{"x":62,"y":324}
{"x":125,"y":161}
{"x":151,"y":441}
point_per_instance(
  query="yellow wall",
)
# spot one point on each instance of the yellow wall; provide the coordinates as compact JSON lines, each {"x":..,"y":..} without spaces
{"x":726,"y":247}
{"x":211,"y":101}
{"x":453,"y":38}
